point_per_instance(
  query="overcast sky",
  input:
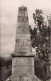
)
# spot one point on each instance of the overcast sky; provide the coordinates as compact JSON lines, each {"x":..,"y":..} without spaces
{"x":9,"y":11}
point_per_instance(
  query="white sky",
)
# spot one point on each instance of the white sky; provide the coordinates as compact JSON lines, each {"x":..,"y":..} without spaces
{"x":9,"y":10}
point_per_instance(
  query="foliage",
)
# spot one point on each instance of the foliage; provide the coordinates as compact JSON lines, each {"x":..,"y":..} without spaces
{"x":6,"y":66}
{"x":40,"y":35}
{"x":42,"y":69}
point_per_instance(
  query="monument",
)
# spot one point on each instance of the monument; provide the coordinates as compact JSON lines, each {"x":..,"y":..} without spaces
{"x":23,"y":59}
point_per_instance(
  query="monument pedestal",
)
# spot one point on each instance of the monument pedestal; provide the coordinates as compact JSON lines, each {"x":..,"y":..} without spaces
{"x":22,"y":68}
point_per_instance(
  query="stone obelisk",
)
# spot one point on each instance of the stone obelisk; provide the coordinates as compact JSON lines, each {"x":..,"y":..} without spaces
{"x":22,"y":59}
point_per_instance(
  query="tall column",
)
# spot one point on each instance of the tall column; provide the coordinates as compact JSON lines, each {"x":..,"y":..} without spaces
{"x":23,"y":41}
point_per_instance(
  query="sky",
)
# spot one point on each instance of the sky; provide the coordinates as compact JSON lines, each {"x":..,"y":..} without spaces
{"x":8,"y":20}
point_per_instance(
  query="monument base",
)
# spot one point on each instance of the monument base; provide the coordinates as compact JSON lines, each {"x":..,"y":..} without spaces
{"x":22,"y":68}
{"x":23,"y":78}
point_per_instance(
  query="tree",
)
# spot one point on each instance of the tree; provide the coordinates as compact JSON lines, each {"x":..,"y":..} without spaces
{"x":41,"y":34}
{"x":40,"y":37}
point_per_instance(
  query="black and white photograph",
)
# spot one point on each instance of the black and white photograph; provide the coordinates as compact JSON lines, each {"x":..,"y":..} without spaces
{"x":25,"y":40}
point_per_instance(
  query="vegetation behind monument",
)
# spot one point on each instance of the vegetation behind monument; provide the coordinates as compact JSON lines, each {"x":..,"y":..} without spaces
{"x":40,"y":36}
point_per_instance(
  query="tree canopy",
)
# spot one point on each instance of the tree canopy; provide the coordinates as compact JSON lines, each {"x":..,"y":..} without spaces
{"x":40,"y":35}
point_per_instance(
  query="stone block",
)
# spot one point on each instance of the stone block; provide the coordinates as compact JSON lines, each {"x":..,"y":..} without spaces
{"x":23,"y":36}
{"x":23,"y":66}
{"x":23,"y":30}
{"x":23,"y":61}
{"x":23,"y":24}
